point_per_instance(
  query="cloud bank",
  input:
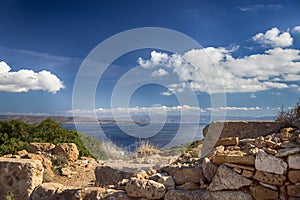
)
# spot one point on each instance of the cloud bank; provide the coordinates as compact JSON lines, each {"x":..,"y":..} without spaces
{"x":25,"y":80}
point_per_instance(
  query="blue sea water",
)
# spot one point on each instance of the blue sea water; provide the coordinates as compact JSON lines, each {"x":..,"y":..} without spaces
{"x":168,"y":136}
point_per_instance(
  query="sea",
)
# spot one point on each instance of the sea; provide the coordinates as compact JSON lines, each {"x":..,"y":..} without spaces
{"x":170,"y":135}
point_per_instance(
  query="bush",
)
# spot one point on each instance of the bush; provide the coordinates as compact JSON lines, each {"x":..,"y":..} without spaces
{"x":16,"y":135}
{"x":289,"y":115}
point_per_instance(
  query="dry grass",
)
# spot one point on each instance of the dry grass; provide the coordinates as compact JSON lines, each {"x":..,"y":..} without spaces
{"x":145,"y":147}
{"x":289,"y":115}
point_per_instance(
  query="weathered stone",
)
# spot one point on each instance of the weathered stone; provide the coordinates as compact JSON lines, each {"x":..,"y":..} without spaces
{"x":22,"y":153}
{"x":35,"y":147}
{"x":141,"y":175}
{"x":167,"y":181}
{"x":293,"y":190}
{"x":247,"y":173}
{"x":289,"y":144}
{"x":229,"y":195}
{"x":271,"y":151}
{"x":259,"y":192}
{"x":188,"y":174}
{"x":186,"y":195}
{"x":141,"y":188}
{"x":115,"y":195}
{"x":209,"y":169}
{"x":294,"y":176}
{"x":244,"y":129}
{"x":237,"y":170}
{"x":108,"y":176}
{"x":272,"y":187}
{"x":269,"y":163}
{"x":230,"y":141}
{"x":47,"y":163}
{"x":272,"y":179}
{"x":226,"y":179}
{"x":19,"y":177}
{"x":67,"y":150}
{"x":170,"y":170}
{"x":253,"y":151}
{"x":287,"y":152}
{"x":65,"y":171}
{"x":47,"y":191}
{"x":294,"y":161}
{"x":236,"y":157}
{"x":188,"y":186}
{"x":250,"y":168}
{"x":90,"y":193}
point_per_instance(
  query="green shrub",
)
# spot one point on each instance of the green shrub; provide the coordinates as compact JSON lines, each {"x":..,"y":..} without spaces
{"x":16,"y":135}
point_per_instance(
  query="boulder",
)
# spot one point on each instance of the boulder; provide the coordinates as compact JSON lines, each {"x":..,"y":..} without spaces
{"x":145,"y":189}
{"x":186,"y":195}
{"x":47,"y":163}
{"x":293,"y":190}
{"x":269,"y":163}
{"x":236,"y":157}
{"x":188,"y":186}
{"x":188,"y":174}
{"x":294,"y":161}
{"x":19,"y":177}
{"x":259,"y":192}
{"x":294,"y":176}
{"x":47,"y":191}
{"x":229,"y":141}
{"x":287,"y":152}
{"x":227,"y":179}
{"x":108,"y":176}
{"x":272,"y":179}
{"x":66,"y":150}
{"x":167,"y":181}
{"x":35,"y":147}
{"x":90,"y":193}
{"x":209,"y":169}
{"x":115,"y":195}
{"x":229,"y":195}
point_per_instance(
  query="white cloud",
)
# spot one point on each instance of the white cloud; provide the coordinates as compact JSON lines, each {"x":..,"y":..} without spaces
{"x":259,"y":6}
{"x":235,"y":108}
{"x":160,"y":72}
{"x":296,"y":30}
{"x":274,"y":38}
{"x":25,"y":80}
{"x":212,"y":70}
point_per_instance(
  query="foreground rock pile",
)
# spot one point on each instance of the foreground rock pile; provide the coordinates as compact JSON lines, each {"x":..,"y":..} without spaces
{"x":263,"y":167}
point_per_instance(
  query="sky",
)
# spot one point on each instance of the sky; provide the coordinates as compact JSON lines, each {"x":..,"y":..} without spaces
{"x":248,"y":63}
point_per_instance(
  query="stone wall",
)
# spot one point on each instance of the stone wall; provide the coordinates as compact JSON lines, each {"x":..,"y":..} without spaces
{"x":243,"y":129}
{"x":19,"y":177}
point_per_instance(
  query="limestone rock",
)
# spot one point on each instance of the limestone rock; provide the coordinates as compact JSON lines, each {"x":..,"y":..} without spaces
{"x":19,"y":177}
{"x":269,"y":163}
{"x":209,"y":169}
{"x":293,"y":190}
{"x":188,"y":174}
{"x":259,"y":192}
{"x":108,"y":176}
{"x":149,"y":189}
{"x":246,"y":167}
{"x":236,"y":157}
{"x":230,"y":141}
{"x":247,"y":173}
{"x":22,"y":153}
{"x":294,"y":161}
{"x":287,"y":152}
{"x":35,"y":147}
{"x":226,"y":179}
{"x":167,"y":181}
{"x":186,"y":195}
{"x":67,"y":150}
{"x":115,"y":195}
{"x":272,"y":179}
{"x":188,"y":186}
{"x":65,"y":171}
{"x":294,"y":176}
{"x":229,"y":195}
{"x":47,"y":191}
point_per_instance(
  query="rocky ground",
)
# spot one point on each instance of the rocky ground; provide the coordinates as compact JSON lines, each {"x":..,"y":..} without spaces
{"x":262,"y":167}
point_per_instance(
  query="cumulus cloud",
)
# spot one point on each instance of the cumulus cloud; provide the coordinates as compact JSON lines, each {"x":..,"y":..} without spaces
{"x":296,"y":30}
{"x":274,"y":38}
{"x":216,"y":70}
{"x":160,"y":72}
{"x":25,"y":80}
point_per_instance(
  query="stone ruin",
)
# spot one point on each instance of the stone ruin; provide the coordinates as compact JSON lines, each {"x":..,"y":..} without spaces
{"x":239,"y":166}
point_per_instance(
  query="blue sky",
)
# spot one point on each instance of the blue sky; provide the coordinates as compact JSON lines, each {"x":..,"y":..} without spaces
{"x":254,"y":44}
